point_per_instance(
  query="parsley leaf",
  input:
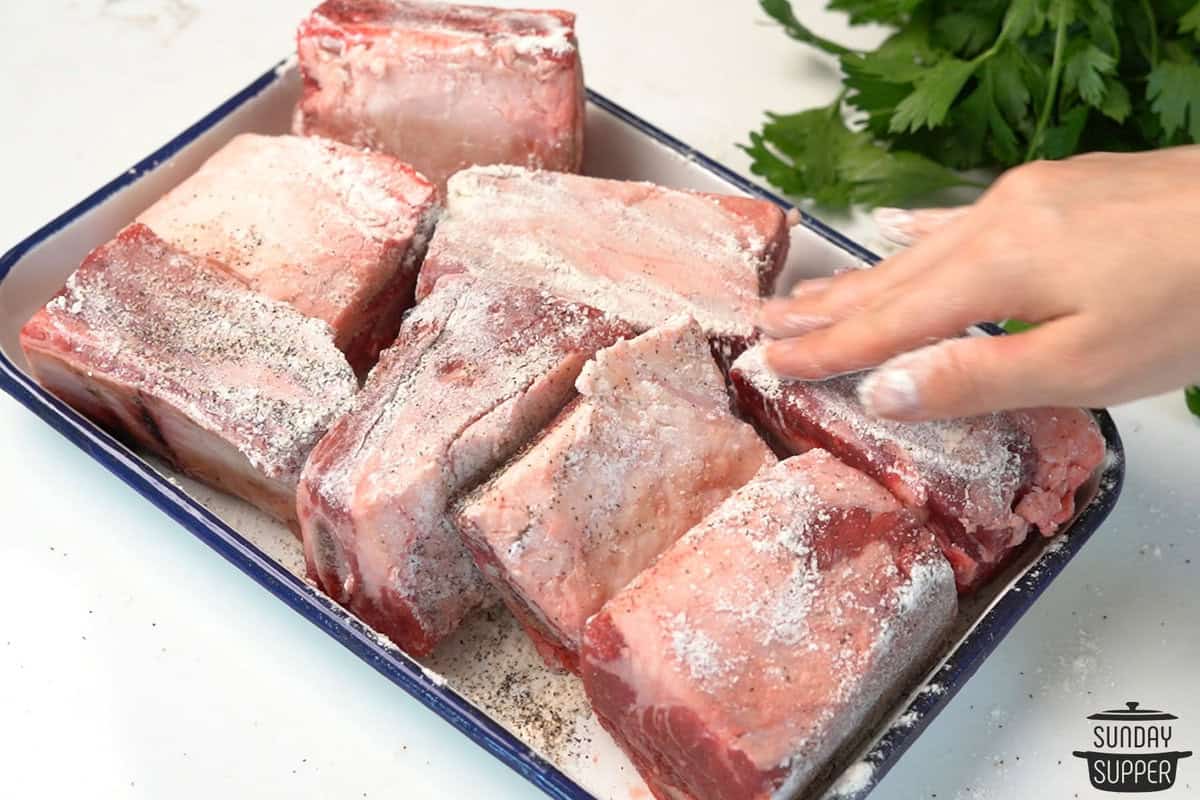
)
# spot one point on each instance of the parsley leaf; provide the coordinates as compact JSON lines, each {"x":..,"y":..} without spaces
{"x":1010,"y":88}
{"x":965,"y":33}
{"x":986,"y":84}
{"x":904,"y":57}
{"x":1023,"y":17}
{"x":1062,"y":140}
{"x":1190,"y":22}
{"x":1116,"y":105}
{"x":1174,"y":94}
{"x":1086,"y":68}
{"x":1017,"y":326}
{"x":1191,"y":396}
{"x":935,"y":91}
{"x":886,"y":12}
{"x":781,"y":12}
{"x":814,"y":154}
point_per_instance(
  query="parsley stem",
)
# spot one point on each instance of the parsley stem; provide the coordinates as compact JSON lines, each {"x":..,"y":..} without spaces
{"x":835,"y":108}
{"x":1056,"y":67}
{"x":781,"y":12}
{"x":1153,"y":32}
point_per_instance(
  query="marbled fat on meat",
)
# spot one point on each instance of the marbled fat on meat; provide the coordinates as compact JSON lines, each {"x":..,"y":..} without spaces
{"x":646,"y":451}
{"x":444,"y":86}
{"x":169,"y":352}
{"x":983,"y":481}
{"x":643,"y":252}
{"x":337,"y":232}
{"x":477,"y":370}
{"x":759,"y":644}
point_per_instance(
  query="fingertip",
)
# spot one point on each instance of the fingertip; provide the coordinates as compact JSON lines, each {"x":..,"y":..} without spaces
{"x":786,"y":358}
{"x":960,"y":377}
{"x":783,"y":318}
{"x":891,"y":392}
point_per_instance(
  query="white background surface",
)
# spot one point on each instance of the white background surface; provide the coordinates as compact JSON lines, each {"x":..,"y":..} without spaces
{"x":134,"y":662}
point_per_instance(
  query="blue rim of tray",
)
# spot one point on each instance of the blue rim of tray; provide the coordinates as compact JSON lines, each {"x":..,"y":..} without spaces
{"x":963,"y":661}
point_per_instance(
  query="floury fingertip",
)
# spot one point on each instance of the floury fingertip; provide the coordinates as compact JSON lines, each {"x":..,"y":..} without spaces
{"x":777,"y":319}
{"x":890,"y":391}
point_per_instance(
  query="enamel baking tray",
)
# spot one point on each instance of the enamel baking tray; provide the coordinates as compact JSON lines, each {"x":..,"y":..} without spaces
{"x":487,"y":681}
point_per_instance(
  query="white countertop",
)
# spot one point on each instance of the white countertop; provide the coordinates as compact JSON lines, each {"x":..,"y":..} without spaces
{"x":135,"y":662}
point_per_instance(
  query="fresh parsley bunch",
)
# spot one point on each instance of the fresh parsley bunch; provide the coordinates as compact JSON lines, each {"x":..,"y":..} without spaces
{"x":965,"y":84}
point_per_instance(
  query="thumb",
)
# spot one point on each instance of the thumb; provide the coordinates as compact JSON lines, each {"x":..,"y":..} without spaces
{"x":968,"y":376}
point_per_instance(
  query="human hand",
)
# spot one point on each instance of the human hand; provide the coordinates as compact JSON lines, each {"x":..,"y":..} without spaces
{"x":1102,"y":249}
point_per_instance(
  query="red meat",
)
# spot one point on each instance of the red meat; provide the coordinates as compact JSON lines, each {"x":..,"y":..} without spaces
{"x":983,"y":481}
{"x":337,"y":232}
{"x":636,"y":250}
{"x":444,"y":86}
{"x":648,"y":449}
{"x":173,"y":355}
{"x":755,"y":649}
{"x":477,"y":370}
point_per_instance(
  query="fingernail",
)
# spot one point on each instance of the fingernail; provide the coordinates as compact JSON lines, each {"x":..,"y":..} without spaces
{"x":781,"y":324}
{"x":776,"y":352}
{"x":794,"y":324}
{"x":895,"y":225}
{"x":810,"y":287}
{"x":888,"y":215}
{"x":890,"y":391}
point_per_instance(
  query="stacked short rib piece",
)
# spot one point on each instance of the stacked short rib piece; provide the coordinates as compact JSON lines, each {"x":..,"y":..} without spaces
{"x":477,"y":370}
{"x":647,"y":450}
{"x":337,"y":232}
{"x":757,"y":646}
{"x":982,"y":481}
{"x":174,"y":355}
{"x":636,"y":250}
{"x":443,"y":86}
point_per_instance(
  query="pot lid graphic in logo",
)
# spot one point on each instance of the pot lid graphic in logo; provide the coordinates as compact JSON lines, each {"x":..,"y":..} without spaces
{"x":1131,"y":750}
{"x":1131,"y":713}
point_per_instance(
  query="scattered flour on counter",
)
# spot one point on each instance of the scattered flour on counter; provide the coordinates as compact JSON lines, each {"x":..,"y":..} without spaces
{"x":1079,"y":669}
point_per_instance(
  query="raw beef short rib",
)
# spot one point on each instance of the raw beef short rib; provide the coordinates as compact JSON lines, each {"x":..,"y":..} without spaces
{"x":756,"y":648}
{"x":636,"y":250}
{"x":337,"y":232}
{"x":477,"y":370}
{"x":646,"y":451}
{"x":171,"y":354}
{"x":444,"y":86}
{"x":983,"y":481}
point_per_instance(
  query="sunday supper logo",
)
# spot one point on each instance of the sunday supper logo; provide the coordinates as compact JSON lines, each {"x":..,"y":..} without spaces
{"x":1131,"y":750}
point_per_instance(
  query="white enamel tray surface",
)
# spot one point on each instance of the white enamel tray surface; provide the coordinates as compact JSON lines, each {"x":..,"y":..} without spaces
{"x":487,"y":681}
